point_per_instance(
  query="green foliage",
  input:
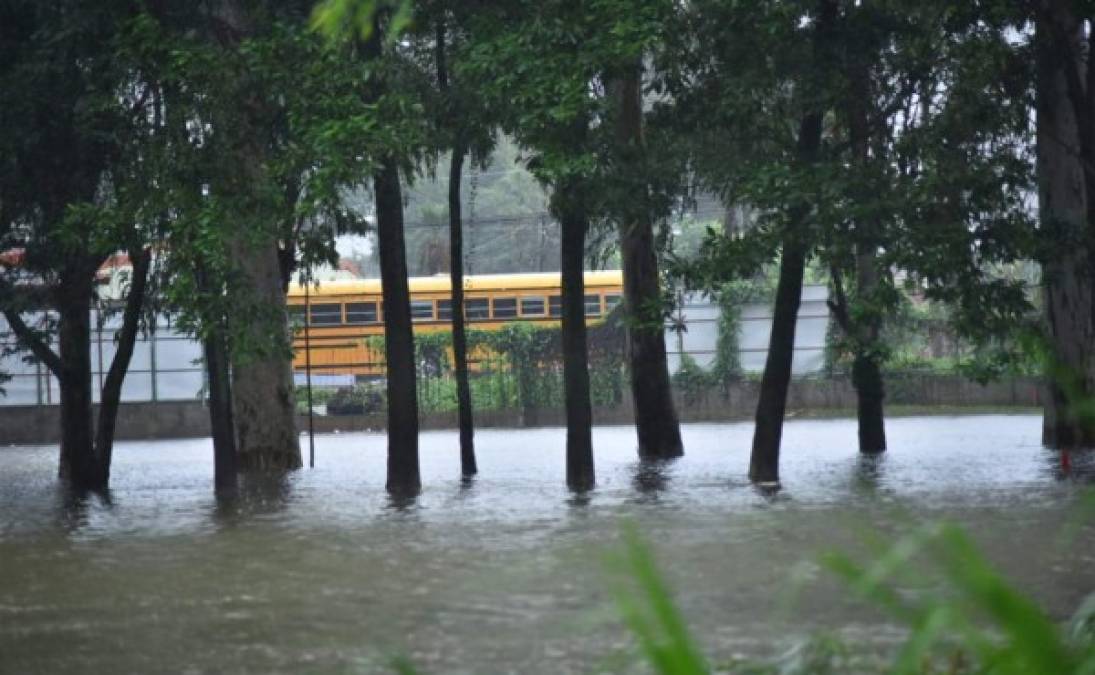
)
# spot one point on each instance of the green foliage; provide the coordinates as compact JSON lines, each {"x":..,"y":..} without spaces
{"x":515,"y":367}
{"x":999,"y":630}
{"x":648,"y":609}
{"x":975,"y":622}
{"x":692,"y":380}
{"x":361,"y":399}
{"x":339,"y":19}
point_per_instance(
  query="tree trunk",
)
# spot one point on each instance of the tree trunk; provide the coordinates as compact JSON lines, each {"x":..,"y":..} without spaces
{"x":262,"y":384}
{"x":1064,"y":205}
{"x":574,"y":223}
{"x":468,"y":465}
{"x":656,"y":422}
{"x":79,"y":464}
{"x":403,"y":474}
{"x":219,"y":381}
{"x":865,"y":328}
{"x":112,"y":386}
{"x":869,"y":392}
{"x":225,"y":464}
{"x":772,"y":403}
{"x":263,"y":405}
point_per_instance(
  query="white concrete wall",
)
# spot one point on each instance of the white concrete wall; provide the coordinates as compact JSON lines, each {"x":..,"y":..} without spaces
{"x":701,"y":315}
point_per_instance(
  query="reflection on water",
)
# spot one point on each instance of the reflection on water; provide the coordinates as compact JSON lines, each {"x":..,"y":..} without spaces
{"x":651,"y":478}
{"x":322,"y":571}
{"x":868,"y":473}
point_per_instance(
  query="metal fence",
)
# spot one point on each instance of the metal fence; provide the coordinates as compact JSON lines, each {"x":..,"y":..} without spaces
{"x":166,"y":364}
{"x":700,"y":316}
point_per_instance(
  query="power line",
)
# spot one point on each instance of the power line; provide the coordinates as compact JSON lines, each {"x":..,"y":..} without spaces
{"x":533,"y":218}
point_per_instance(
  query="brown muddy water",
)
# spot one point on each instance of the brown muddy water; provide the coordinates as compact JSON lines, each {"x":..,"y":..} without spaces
{"x":322,"y":573}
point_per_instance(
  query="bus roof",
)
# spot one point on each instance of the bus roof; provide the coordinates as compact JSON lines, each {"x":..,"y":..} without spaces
{"x":478,"y":282}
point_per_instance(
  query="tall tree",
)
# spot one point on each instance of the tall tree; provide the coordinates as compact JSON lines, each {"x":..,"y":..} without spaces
{"x":465,"y":130}
{"x":795,"y":245}
{"x":70,"y":197}
{"x":570,"y":204}
{"x":403,"y":473}
{"x":264,"y":410}
{"x":546,"y":104}
{"x":655,"y":415}
{"x":1065,"y":101}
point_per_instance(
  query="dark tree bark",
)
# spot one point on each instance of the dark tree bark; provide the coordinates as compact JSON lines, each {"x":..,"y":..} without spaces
{"x":866,"y":330}
{"x":86,"y":452}
{"x":656,"y":422}
{"x":218,"y":375}
{"x":403,"y":474}
{"x":1066,"y":201}
{"x":264,"y":409}
{"x":866,"y":371}
{"x":468,"y":466}
{"x":569,"y":206}
{"x":772,"y":402}
{"x":771,"y":405}
{"x":71,"y":365}
{"x":870,"y":392}
{"x":79,"y":464}
{"x":263,"y":405}
{"x":225,"y":464}
{"x":112,"y":386}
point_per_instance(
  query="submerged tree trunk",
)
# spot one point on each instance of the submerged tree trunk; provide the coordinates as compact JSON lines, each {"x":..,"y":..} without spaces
{"x":863,"y":333}
{"x":869,"y":392}
{"x":79,"y":464}
{"x":656,"y":422}
{"x":219,"y":381}
{"x":1065,"y":205}
{"x":772,"y":403}
{"x":403,"y":474}
{"x":119,"y":365}
{"x":225,"y":464}
{"x":574,"y":223}
{"x":866,"y":328}
{"x":468,"y":465}
{"x":264,"y":410}
{"x":85,"y":450}
{"x":262,"y":382}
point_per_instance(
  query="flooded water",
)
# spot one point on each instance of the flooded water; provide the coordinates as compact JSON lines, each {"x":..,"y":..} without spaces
{"x":322,"y":573}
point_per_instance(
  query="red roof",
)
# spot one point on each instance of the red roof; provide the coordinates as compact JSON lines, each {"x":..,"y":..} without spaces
{"x":347,"y":265}
{"x":12,"y":257}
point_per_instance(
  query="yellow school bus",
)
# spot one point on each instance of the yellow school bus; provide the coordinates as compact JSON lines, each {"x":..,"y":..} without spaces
{"x":343,"y":314}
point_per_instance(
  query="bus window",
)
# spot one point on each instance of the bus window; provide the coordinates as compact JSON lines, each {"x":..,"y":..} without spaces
{"x":532,"y":306}
{"x":444,"y":310}
{"x":555,"y":305}
{"x":361,"y":312}
{"x":593,"y":305}
{"x":477,"y":308}
{"x":326,"y":314}
{"x":505,"y":308}
{"x":611,"y":300}
{"x":421,"y":310}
